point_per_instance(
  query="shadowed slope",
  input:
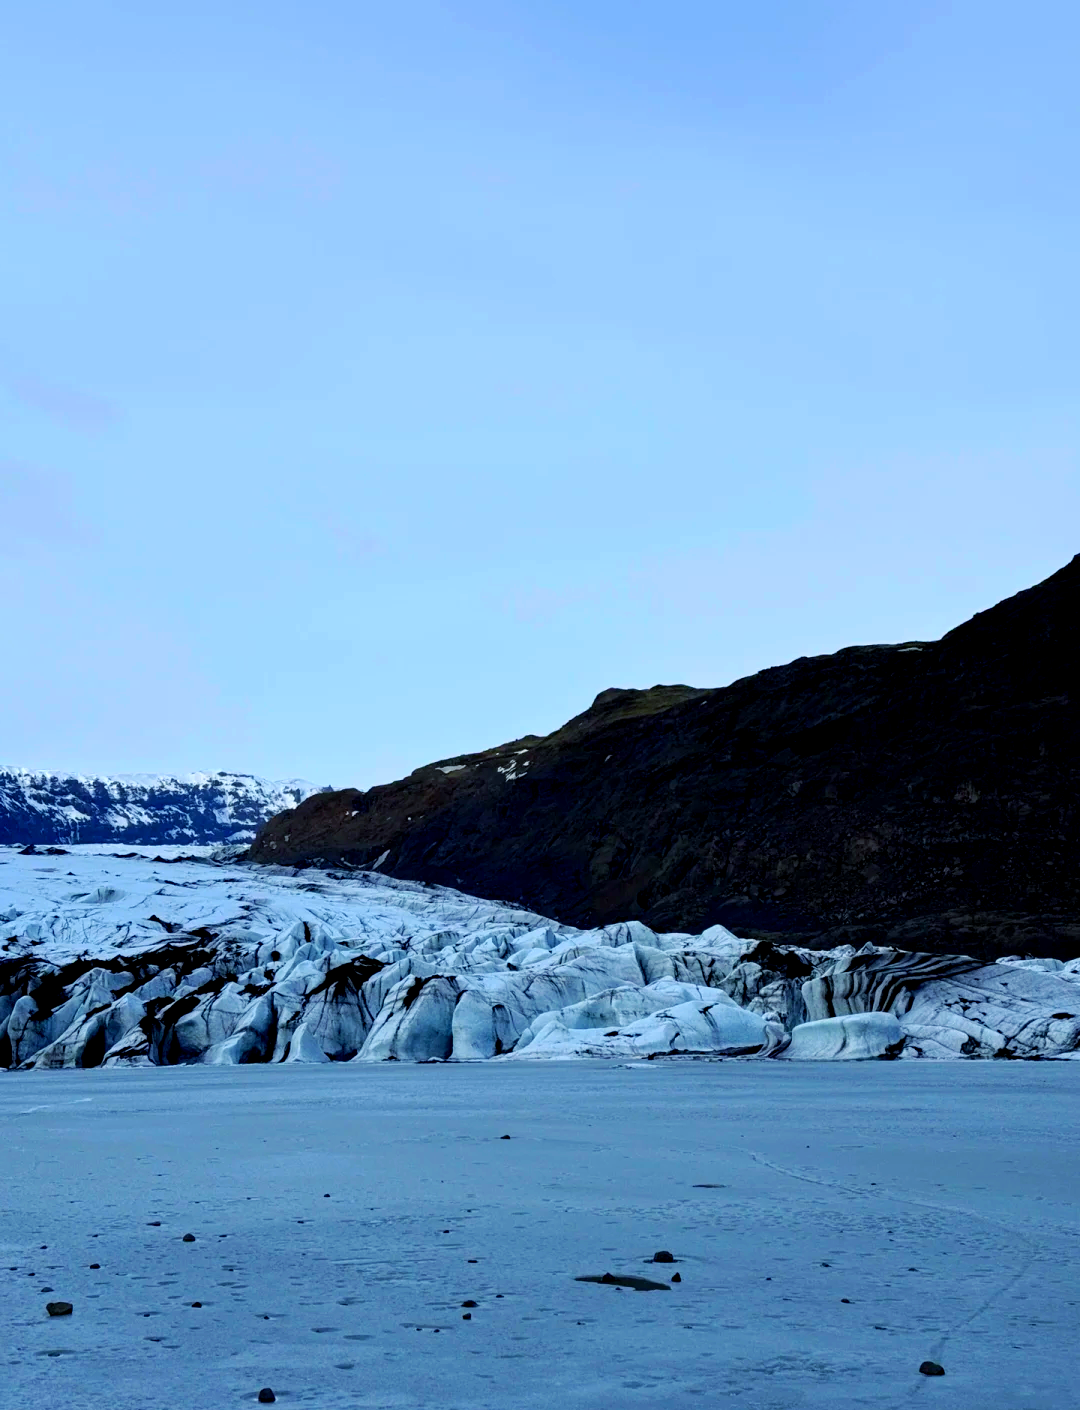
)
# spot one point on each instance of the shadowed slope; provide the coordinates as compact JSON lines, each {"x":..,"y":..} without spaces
{"x":922,"y":792}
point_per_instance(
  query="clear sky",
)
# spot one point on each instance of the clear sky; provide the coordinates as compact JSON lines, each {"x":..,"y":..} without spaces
{"x":381,"y":381}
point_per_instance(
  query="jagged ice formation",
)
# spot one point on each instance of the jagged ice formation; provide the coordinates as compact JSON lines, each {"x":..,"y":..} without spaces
{"x":108,"y":960}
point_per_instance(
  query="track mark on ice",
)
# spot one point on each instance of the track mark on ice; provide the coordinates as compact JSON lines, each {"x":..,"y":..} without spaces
{"x":1012,"y":1229}
{"x":52,"y":1106}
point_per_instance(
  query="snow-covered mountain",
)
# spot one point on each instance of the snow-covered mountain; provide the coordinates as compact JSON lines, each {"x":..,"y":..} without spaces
{"x":126,"y":959}
{"x":140,"y":809}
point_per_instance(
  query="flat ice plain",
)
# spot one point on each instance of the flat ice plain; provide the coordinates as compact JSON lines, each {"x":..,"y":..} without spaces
{"x":940,"y":1199}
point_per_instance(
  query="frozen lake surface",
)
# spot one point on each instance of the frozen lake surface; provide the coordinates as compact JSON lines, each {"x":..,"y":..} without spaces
{"x":940,"y":1200}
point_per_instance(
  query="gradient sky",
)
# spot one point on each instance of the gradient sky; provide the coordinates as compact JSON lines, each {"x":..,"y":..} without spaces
{"x":379,"y":382}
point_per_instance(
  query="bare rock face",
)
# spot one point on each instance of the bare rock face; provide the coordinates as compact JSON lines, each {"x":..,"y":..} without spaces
{"x":920,"y":795}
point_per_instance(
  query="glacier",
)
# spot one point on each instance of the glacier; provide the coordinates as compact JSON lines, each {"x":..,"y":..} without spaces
{"x":136,"y":960}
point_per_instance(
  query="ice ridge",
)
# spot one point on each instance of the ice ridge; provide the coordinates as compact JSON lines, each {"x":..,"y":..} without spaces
{"x":136,"y":960}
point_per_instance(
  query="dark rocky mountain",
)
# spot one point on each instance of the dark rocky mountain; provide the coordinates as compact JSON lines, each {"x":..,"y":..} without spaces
{"x":923,"y":794}
{"x":142,"y":810}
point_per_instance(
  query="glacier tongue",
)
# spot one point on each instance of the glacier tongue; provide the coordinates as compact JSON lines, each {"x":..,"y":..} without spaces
{"x":139,"y":960}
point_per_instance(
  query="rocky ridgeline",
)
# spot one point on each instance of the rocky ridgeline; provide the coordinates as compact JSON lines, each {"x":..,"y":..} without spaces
{"x":920,"y":796}
{"x":238,"y":965}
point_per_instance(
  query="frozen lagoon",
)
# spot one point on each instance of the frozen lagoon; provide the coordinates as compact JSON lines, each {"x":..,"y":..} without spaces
{"x":940,"y":1199}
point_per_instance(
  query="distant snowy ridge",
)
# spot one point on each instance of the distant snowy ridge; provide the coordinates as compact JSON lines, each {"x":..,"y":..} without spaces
{"x":140,"y":809}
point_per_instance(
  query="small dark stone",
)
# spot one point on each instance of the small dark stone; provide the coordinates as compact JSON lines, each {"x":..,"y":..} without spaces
{"x":845,"y":1299}
{"x":504,"y":1138}
{"x":663,"y":1256}
{"x":469,"y":1303}
{"x":326,"y":1196}
{"x":931,"y":1368}
{"x":676,"y":1277}
{"x":196,"y":1304}
{"x":59,"y":1309}
{"x":266,"y":1396}
{"x":95,"y":1265}
{"x":189,"y":1238}
{"x":466,"y":1316}
{"x":472,"y":1260}
{"x":154,"y":1224}
{"x":44,"y":1289}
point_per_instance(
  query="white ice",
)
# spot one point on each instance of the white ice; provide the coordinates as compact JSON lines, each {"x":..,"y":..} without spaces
{"x":138,"y":959}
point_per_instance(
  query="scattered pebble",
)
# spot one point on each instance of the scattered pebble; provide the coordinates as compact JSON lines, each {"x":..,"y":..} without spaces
{"x":59,"y":1309}
{"x":189,"y":1238}
{"x":266,"y":1396}
{"x":95,"y":1265}
{"x":931,"y":1368}
{"x":466,"y":1316}
{"x":663,"y":1256}
{"x":676,"y":1277}
{"x":469,"y":1303}
{"x":504,"y":1138}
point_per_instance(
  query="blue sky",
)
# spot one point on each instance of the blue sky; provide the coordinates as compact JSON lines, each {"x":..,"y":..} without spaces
{"x":381,"y":382}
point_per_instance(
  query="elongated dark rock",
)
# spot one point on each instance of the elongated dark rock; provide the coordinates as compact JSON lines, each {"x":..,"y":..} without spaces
{"x":618,"y":1280}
